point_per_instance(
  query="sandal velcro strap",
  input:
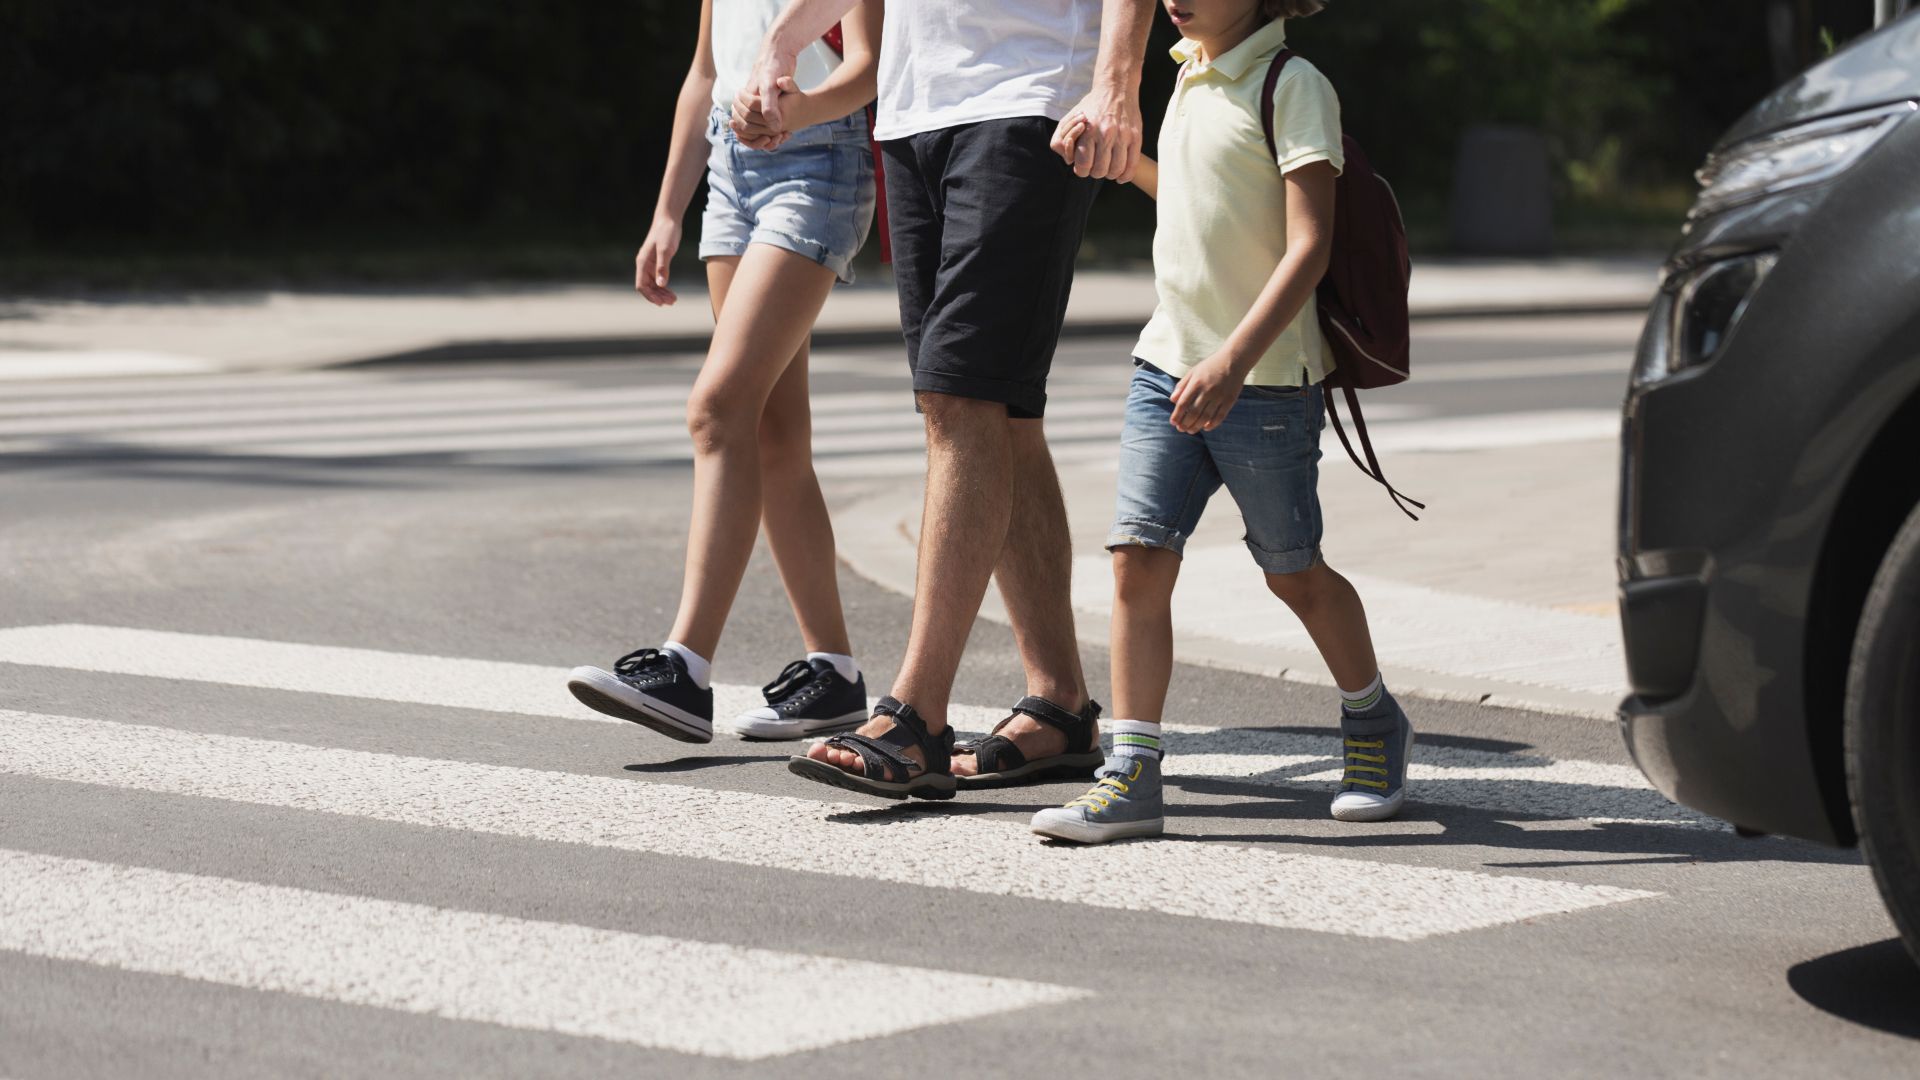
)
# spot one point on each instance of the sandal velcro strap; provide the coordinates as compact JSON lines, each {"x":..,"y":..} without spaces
{"x":996,"y":753}
{"x":886,"y":751}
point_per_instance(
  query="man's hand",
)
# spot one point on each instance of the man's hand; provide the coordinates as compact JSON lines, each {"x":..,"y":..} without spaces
{"x":763,"y":88}
{"x":1100,"y":137}
{"x":752,"y":125}
{"x":650,"y":266}
{"x":1202,"y":399}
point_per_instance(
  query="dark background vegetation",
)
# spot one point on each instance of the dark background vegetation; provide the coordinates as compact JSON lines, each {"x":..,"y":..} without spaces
{"x":300,"y":141}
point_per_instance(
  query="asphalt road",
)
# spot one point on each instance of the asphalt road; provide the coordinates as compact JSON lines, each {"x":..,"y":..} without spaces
{"x":289,"y":786}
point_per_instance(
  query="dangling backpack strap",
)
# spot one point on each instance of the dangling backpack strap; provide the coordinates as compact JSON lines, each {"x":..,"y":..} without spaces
{"x":1372,"y":466}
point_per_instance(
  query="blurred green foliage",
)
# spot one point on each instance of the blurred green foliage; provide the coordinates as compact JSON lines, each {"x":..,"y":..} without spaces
{"x":214,"y":127}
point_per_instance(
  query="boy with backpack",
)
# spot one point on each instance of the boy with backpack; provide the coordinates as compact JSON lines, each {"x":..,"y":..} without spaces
{"x":1228,"y":391}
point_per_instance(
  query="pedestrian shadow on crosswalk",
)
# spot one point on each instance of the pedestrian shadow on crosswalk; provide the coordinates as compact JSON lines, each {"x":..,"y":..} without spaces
{"x":1876,"y":986}
{"x":704,"y":761}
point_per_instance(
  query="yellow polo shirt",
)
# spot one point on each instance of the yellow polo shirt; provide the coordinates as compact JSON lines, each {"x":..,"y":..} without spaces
{"x":1222,"y":206}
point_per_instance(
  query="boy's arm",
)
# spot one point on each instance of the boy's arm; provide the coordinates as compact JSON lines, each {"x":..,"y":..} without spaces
{"x":1202,"y":398}
{"x":686,"y":163}
{"x":1110,"y":146}
{"x":1146,"y":177}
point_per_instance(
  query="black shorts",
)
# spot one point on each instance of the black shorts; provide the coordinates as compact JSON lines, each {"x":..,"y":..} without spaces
{"x":986,"y":220}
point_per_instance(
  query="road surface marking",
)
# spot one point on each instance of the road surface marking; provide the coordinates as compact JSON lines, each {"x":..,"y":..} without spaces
{"x":1492,"y":781}
{"x":22,"y":364}
{"x":664,"y":993}
{"x":874,"y":842}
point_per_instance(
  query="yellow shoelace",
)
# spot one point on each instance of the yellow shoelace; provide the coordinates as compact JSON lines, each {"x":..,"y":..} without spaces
{"x":1377,"y":762}
{"x":1101,"y":795}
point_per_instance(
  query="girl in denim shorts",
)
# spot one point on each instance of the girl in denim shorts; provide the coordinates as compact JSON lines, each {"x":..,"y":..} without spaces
{"x":1226,"y":394}
{"x":786,"y":211}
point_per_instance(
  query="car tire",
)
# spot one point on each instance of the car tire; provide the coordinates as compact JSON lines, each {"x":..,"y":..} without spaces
{"x":1883,"y":731}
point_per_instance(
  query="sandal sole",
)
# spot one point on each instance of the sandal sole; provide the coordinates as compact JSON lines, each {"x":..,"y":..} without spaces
{"x":924,"y":786}
{"x":1058,"y":767}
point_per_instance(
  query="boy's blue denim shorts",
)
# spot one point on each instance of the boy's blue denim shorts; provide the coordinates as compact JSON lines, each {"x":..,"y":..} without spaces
{"x":813,"y":196}
{"x":1266,"y":452}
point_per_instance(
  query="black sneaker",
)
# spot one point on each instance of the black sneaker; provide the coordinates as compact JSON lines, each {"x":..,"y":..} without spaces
{"x":651,"y":687}
{"x":808,"y":697}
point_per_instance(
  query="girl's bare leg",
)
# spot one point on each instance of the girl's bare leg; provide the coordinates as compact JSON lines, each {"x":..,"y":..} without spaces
{"x":767,"y":304}
{"x":1142,"y":634}
{"x":798,"y":529}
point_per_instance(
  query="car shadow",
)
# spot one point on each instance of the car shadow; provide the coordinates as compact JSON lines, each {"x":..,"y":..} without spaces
{"x":1876,"y":986}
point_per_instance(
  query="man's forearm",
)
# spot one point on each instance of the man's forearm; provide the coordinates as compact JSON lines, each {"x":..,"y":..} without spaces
{"x":802,"y":22}
{"x":1123,"y":43}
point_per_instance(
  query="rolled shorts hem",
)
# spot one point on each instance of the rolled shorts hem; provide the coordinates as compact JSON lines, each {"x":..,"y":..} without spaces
{"x":1149,"y":534}
{"x":1024,"y":401}
{"x":841,"y":265}
{"x":1292,"y":561}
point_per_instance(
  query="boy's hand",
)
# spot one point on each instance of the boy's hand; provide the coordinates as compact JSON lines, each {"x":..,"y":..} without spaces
{"x":1108,"y":144}
{"x":1202,"y":399}
{"x":650,"y":266}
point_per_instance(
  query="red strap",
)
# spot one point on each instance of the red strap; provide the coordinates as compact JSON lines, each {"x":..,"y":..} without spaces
{"x":1266,"y":100}
{"x":1372,"y":466}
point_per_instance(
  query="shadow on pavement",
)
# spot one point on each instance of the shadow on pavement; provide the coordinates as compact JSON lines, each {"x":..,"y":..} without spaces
{"x":1876,"y":986}
{"x":706,"y":761}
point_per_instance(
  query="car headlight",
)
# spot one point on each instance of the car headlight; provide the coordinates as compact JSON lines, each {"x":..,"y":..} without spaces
{"x":1794,"y":157}
{"x":1695,"y":314}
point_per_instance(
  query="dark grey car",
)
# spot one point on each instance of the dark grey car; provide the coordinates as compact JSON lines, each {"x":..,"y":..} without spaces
{"x":1770,"y":491}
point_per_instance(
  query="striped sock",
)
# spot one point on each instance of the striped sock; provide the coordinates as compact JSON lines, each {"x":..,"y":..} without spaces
{"x":1364,"y":700}
{"x":1135,"y":738}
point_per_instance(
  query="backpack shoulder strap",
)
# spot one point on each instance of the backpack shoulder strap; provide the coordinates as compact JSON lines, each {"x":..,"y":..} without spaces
{"x":1372,"y":465}
{"x":1266,"y":100}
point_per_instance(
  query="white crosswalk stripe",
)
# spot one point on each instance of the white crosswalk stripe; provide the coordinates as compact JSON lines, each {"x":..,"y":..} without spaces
{"x":720,"y":999}
{"x":690,"y":996}
{"x":349,"y":415}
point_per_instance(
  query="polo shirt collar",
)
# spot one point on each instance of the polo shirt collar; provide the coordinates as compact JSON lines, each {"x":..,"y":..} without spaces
{"x":1236,"y":61}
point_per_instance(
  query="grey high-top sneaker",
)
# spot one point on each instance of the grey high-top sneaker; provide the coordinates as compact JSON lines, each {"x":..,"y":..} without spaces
{"x":1124,"y":801}
{"x":1376,"y":745}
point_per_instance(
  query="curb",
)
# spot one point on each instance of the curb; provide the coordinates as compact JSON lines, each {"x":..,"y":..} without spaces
{"x":577,"y":348}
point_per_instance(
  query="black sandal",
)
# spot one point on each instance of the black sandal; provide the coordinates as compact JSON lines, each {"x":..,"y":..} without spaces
{"x":999,"y":762}
{"x":885,"y":769}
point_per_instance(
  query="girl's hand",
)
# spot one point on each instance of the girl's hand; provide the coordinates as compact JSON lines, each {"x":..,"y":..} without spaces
{"x":753,"y":122}
{"x":650,"y":266}
{"x":1067,"y":141}
{"x":1203,"y":398}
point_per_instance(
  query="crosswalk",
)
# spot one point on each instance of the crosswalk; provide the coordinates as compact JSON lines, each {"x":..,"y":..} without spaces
{"x":626,"y":984}
{"x":588,"y":409}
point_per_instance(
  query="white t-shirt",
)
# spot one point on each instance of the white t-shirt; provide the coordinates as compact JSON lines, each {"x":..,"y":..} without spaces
{"x":738,"y":27}
{"x":949,"y":62}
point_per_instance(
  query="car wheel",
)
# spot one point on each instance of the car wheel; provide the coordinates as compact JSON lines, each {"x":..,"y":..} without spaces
{"x":1883,"y":731}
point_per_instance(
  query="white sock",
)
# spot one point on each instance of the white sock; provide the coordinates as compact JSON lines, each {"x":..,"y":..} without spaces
{"x":1359,"y":701}
{"x":841,"y":662}
{"x":697,"y":665}
{"x":1134,"y":738}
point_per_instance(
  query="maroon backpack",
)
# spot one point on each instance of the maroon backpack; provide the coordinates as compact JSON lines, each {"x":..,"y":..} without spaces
{"x":1363,"y":298}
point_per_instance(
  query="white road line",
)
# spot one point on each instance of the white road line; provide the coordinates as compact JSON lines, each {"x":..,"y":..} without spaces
{"x":18,"y":364}
{"x":1202,"y":880}
{"x":1513,"y":783}
{"x":1546,"y":367}
{"x":658,"y":992}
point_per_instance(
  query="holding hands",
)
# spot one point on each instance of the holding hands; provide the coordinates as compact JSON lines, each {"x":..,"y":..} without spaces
{"x":1101,"y":136}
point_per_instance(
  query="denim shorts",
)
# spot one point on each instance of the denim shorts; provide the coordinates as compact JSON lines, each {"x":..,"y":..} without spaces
{"x":813,"y":196}
{"x":1266,"y":452}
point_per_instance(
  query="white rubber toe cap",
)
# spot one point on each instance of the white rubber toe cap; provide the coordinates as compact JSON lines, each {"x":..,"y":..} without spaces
{"x":1364,"y":806}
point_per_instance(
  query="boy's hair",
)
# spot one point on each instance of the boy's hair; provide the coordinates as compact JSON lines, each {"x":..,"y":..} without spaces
{"x":1290,"y":9}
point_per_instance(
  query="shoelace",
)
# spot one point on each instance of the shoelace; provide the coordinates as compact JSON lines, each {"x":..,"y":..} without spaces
{"x":1101,"y":794}
{"x":646,"y":663}
{"x":1376,"y":762}
{"x":792,"y":678}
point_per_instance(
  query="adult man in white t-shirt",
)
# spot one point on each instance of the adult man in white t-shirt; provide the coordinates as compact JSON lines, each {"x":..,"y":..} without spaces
{"x":976,"y":98}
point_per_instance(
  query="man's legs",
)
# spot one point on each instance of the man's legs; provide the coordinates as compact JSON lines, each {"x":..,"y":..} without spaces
{"x":963,"y":529}
{"x":1034,"y":575}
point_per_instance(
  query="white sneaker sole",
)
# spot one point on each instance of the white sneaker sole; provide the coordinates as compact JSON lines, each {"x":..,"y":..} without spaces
{"x":750,"y":726}
{"x":1360,"y":806}
{"x":603,"y":692}
{"x":1081,"y":831}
